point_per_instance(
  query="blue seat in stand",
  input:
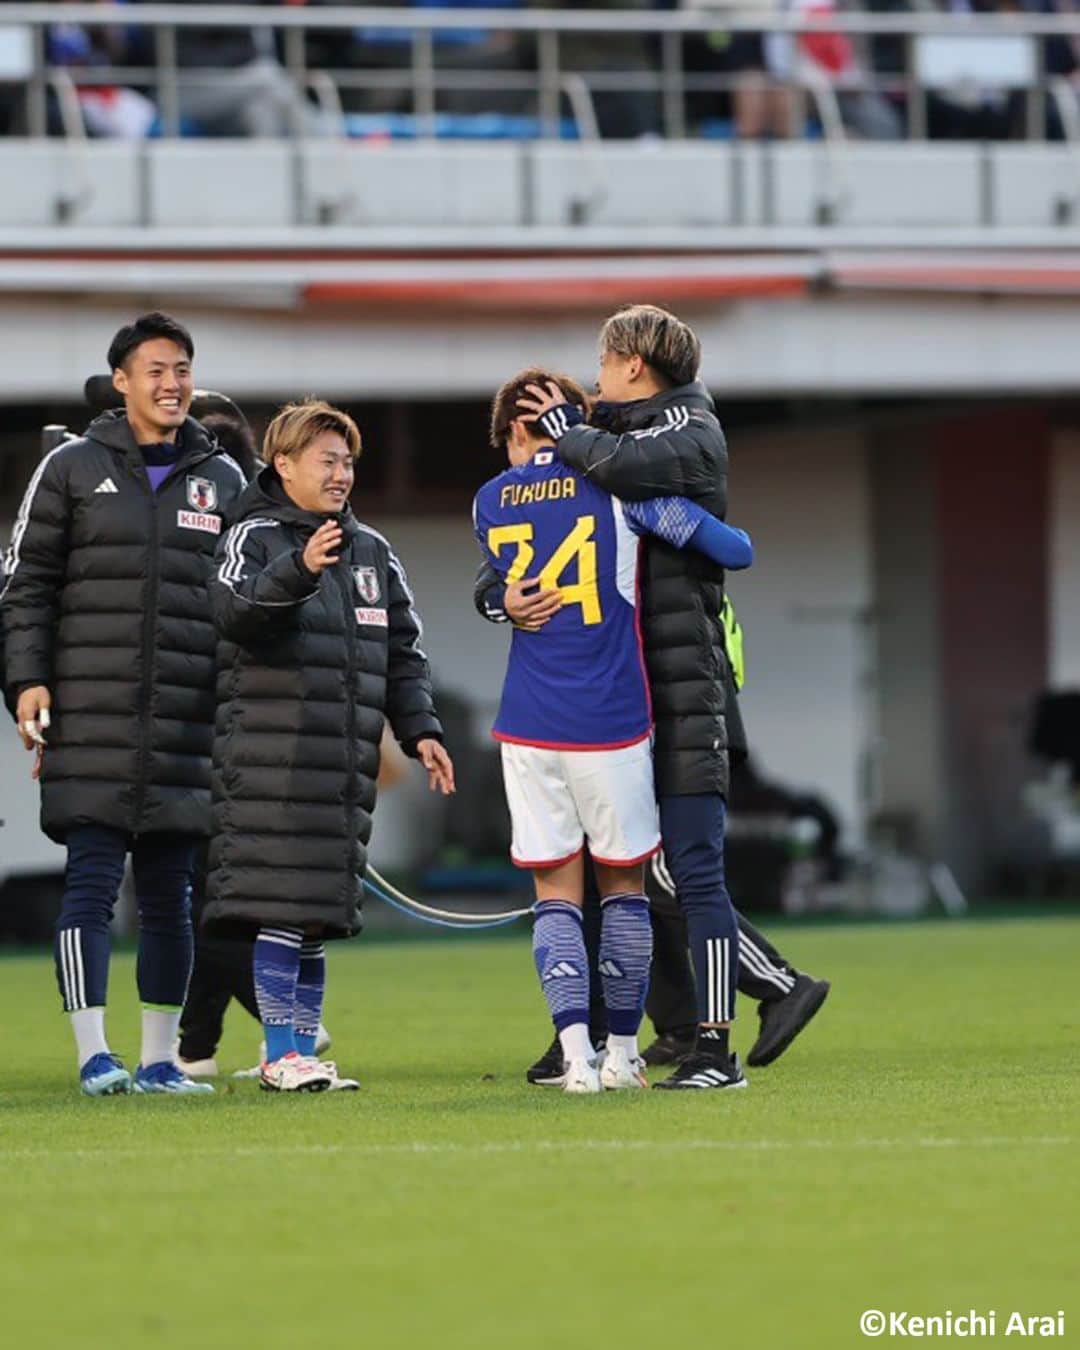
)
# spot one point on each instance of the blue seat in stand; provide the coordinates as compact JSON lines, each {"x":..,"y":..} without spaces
{"x":453,"y":127}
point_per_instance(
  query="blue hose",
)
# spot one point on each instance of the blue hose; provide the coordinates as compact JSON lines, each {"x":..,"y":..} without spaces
{"x":460,"y":926}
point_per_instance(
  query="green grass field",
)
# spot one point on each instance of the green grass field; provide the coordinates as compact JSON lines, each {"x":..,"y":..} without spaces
{"x":917,"y":1149}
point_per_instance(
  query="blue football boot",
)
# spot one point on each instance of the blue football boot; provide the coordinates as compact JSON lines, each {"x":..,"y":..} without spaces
{"x":166,"y":1077}
{"x":104,"y":1076}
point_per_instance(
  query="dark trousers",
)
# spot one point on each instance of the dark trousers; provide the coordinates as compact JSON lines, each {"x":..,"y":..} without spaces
{"x":163,"y":865}
{"x":764,"y":974}
{"x":222,"y":971}
{"x":692,"y":826}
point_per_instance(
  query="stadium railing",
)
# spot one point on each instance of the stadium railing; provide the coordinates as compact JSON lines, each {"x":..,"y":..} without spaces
{"x":940,"y":51}
{"x":355,"y":174}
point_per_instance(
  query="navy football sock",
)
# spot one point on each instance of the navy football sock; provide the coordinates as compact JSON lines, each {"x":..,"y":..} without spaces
{"x":310,"y":987}
{"x":277,"y":969}
{"x":561,"y":962}
{"x":625,"y":958}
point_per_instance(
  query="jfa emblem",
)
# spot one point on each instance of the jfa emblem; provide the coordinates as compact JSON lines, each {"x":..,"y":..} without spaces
{"x":367,"y":583}
{"x":201,"y":493}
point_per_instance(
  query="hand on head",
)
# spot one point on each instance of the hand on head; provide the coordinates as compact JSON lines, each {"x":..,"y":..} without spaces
{"x":542,"y":398}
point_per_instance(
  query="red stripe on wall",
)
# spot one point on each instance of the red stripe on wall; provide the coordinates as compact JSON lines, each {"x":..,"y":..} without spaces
{"x":548,"y":293}
{"x":993,"y":470}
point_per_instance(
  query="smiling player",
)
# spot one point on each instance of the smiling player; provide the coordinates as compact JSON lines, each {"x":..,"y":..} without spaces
{"x":110,"y":654}
{"x":320,"y":648}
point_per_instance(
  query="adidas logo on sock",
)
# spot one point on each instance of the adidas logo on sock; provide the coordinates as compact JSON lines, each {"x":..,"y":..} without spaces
{"x":563,"y":970}
{"x":106,"y":485}
{"x":612,"y":969}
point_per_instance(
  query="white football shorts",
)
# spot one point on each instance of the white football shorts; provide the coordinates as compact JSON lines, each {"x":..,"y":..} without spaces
{"x":558,"y":799}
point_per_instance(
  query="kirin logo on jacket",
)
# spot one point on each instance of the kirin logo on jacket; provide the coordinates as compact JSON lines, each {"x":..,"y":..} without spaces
{"x":201,"y":493}
{"x":367,"y":583}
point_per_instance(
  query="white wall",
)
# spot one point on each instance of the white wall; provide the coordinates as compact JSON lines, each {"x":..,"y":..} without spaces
{"x":23,"y":848}
{"x":805,"y":501}
{"x":872,"y":343}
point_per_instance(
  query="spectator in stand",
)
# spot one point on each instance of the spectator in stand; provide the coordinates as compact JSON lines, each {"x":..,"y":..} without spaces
{"x":970,"y":112}
{"x":830,"y":58}
{"x":768,"y":68}
{"x":107,"y":110}
{"x":756,"y":106}
{"x":480,"y":49}
{"x":231,"y":81}
{"x":620,"y":112}
{"x":1061,"y":57}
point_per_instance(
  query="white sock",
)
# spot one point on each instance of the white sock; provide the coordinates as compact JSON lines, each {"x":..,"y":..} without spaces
{"x":627,"y":1043}
{"x":160,"y":1028}
{"x":88,"y":1024}
{"x":575,"y":1042}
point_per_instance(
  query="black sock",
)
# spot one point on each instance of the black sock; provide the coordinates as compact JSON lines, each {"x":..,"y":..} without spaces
{"x":714,"y":1041}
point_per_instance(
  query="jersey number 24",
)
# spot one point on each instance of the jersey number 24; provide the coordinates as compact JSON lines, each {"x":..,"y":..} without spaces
{"x":579,"y":544}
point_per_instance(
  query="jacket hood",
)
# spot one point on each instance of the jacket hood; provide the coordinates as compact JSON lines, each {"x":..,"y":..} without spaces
{"x":643,"y":412}
{"x":265,"y":496}
{"x":114,"y":430}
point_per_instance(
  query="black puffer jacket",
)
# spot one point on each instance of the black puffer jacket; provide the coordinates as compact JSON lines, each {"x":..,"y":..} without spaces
{"x":309,"y":668}
{"x":105,"y":604}
{"x":672,"y":444}
{"x":668,"y":445}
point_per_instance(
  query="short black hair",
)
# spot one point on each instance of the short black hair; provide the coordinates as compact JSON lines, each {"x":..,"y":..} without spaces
{"x":145,"y":328}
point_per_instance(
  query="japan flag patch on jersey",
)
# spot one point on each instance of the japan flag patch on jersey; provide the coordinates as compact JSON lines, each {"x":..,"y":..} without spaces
{"x":367,"y":584}
{"x":201,"y":493}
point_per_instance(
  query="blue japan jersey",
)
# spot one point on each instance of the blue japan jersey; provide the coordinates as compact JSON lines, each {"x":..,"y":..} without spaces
{"x":579,"y":683}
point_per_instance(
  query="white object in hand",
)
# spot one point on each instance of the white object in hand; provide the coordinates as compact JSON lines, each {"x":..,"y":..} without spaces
{"x":34,"y":729}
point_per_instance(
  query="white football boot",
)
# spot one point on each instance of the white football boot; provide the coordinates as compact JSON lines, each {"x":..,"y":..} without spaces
{"x":195,"y":1068}
{"x":337,"y":1083}
{"x":295,"y":1073}
{"x":582,"y":1076}
{"x":322,"y":1044}
{"x":621,"y":1070}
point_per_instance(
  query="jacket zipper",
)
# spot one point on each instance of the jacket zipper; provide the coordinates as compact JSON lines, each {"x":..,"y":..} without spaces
{"x":349,"y":613}
{"x":149,"y":632}
{"x":149,"y":642}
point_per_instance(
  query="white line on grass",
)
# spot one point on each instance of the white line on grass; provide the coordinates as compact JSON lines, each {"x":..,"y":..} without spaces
{"x":449,"y":1148}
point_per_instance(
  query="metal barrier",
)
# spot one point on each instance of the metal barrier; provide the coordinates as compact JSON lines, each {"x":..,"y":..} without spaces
{"x":1064,"y":95}
{"x":936,"y":47}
